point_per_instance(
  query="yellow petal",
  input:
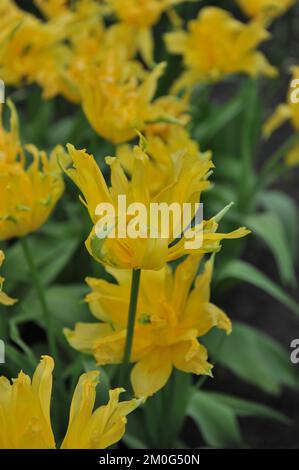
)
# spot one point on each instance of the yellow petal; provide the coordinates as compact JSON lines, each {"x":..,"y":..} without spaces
{"x":108,"y":422}
{"x":42,"y":384}
{"x":151,"y":373}
{"x":6,"y":300}
{"x":292,"y":158}
{"x":282,"y":114}
{"x":196,"y":363}
{"x":145,"y":44}
{"x":85,"y":335}
{"x":81,"y":411}
{"x":183,"y":279}
{"x":89,"y":179}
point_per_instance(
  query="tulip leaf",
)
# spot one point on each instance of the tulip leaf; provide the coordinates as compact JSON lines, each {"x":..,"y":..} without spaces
{"x":135,"y":436}
{"x":254,"y":357}
{"x":218,"y":120}
{"x":216,"y":421}
{"x":170,"y":405}
{"x":216,"y":416}
{"x":243,"y":271}
{"x":50,"y":255}
{"x":249,"y":408}
{"x":65,"y":303}
{"x":287,"y":211}
{"x":269,"y":227}
{"x":16,"y":357}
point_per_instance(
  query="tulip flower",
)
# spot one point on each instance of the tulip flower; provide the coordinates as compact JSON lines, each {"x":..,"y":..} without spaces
{"x":4,"y":298}
{"x":170,"y":318}
{"x":216,"y":45}
{"x":25,"y":413}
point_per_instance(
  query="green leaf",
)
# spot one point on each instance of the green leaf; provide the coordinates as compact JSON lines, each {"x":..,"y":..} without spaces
{"x":133,"y":442}
{"x":216,"y":416}
{"x":222,"y":116}
{"x":16,"y":336}
{"x":135,"y":436}
{"x":65,"y":303}
{"x":242,"y":271}
{"x":50,"y":255}
{"x":250,"y":134}
{"x":243,"y":407}
{"x":286,"y":209}
{"x":18,"y":358}
{"x":255,"y":358}
{"x":170,"y":405}
{"x":216,"y":421}
{"x":269,"y":227}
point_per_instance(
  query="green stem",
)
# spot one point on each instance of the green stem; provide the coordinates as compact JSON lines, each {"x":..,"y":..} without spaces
{"x":41,"y":295}
{"x":248,"y":141}
{"x":130,"y":326}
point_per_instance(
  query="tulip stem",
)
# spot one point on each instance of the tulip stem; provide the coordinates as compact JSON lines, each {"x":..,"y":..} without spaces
{"x":130,"y":325}
{"x":41,"y":295}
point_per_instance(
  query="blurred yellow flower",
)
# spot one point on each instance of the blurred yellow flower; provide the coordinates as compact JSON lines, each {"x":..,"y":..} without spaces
{"x":4,"y":298}
{"x":170,"y":318}
{"x":25,"y":413}
{"x":10,"y":145}
{"x":30,"y":182}
{"x":190,"y":178}
{"x":30,"y":50}
{"x":117,"y":98}
{"x":292,"y":157}
{"x":216,"y":45}
{"x":176,"y":111}
{"x":265,"y":8}
{"x":167,"y":145}
{"x":73,"y":52}
{"x":48,"y":52}
{"x":142,"y":13}
{"x":285,"y":112}
{"x":52,"y":8}
{"x":138,"y":16}
{"x":29,"y":195}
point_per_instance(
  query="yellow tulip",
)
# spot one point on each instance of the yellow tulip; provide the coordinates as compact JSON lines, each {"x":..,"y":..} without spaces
{"x":138,"y":16}
{"x":57,"y":53}
{"x":285,"y":112}
{"x":170,"y":318}
{"x":4,"y":298}
{"x":52,"y":8}
{"x":29,"y":195}
{"x":25,"y":413}
{"x":265,"y":8}
{"x":164,"y":146}
{"x":36,"y":48}
{"x":43,"y":51}
{"x":29,"y":192}
{"x":217,"y":45}
{"x":190,"y":176}
{"x":117,"y":98}
{"x":141,"y":12}
{"x":176,"y":112}
{"x":10,"y":145}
